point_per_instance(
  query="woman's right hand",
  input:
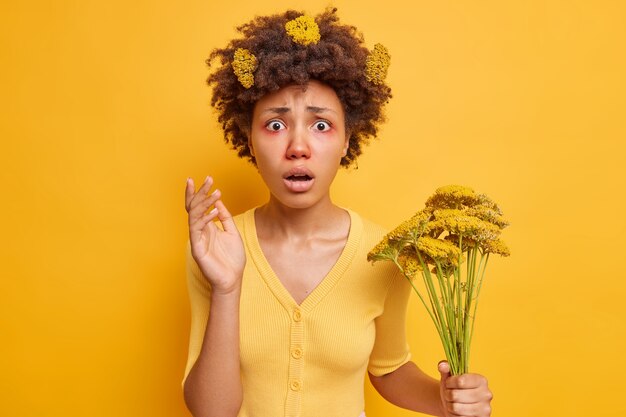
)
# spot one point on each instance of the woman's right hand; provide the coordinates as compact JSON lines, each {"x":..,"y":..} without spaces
{"x":219,"y":253}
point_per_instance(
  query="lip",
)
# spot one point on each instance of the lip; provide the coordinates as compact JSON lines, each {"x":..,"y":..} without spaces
{"x":299,"y":186}
{"x":298,"y":171}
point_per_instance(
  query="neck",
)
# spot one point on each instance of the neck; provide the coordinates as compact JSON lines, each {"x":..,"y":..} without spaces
{"x":279,"y":220}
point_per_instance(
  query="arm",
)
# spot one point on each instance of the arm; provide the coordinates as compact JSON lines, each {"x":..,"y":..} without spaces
{"x":212,"y":386}
{"x":402,"y":383}
{"x":451,"y":396}
{"x":409,"y":387}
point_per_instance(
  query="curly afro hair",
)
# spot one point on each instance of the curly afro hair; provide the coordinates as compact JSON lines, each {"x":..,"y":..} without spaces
{"x":338,"y":59}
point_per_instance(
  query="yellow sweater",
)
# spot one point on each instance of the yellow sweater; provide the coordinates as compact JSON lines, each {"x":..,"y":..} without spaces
{"x":309,"y":360}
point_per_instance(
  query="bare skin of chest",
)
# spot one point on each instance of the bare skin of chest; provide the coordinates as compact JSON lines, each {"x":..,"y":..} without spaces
{"x":301,"y":267}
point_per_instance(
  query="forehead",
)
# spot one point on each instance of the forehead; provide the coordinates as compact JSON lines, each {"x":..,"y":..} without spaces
{"x":313,"y":93}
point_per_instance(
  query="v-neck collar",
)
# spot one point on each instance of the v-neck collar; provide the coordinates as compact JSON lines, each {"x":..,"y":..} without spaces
{"x":327,"y":283}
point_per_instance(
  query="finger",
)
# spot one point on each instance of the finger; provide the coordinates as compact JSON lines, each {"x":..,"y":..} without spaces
{"x":475,"y":409}
{"x":200,"y":209}
{"x":458,"y":409}
{"x":205,"y":219}
{"x":466,"y":381}
{"x":189,"y":187}
{"x":202,"y":193}
{"x":190,"y":192}
{"x":225,"y":217}
{"x":200,"y":226}
{"x":444,"y":371}
{"x":467,"y":396}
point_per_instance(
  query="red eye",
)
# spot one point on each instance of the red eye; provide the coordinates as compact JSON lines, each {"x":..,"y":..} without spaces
{"x":275,"y":126}
{"x":322,"y":126}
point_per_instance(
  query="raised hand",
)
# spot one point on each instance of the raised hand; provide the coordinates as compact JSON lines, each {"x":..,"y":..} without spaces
{"x":464,"y":395}
{"x":219,"y":253}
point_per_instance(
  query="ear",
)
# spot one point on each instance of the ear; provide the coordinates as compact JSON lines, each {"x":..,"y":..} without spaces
{"x":250,"y":145}
{"x":346,"y":145}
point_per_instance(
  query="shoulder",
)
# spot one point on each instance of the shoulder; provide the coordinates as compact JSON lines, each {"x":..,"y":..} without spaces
{"x":368,"y":234}
{"x":372,"y":231}
{"x":380,"y":275}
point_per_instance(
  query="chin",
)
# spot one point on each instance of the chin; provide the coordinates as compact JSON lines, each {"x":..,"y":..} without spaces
{"x":298,"y":201}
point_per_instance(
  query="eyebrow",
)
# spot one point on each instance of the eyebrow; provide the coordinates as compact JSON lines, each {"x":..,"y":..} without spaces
{"x":312,"y":109}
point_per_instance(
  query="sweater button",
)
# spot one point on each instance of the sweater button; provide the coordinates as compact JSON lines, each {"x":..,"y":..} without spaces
{"x":295,"y":385}
{"x":297,"y":315}
{"x":296,"y":353}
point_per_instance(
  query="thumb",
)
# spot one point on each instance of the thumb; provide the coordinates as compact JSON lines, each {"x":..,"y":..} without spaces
{"x":444,"y":371}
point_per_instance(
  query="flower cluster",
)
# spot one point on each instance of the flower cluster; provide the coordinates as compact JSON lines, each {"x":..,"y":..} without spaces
{"x":377,"y":64}
{"x":454,"y":216}
{"x":456,"y":227}
{"x":303,"y":30}
{"x":244,"y":64}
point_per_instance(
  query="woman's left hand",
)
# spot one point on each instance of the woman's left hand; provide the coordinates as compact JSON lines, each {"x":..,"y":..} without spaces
{"x":463,"y":395}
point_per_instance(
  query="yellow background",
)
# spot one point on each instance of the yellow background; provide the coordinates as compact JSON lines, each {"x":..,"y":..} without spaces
{"x":105,"y":114}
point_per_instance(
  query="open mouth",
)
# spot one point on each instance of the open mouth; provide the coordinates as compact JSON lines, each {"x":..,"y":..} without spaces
{"x":299,"y":178}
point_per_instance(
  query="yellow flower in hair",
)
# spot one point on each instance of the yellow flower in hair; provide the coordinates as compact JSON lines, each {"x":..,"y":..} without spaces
{"x":244,"y":64}
{"x":377,"y":64}
{"x":303,"y":30}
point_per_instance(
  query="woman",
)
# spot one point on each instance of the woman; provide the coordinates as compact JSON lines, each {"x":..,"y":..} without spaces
{"x":287,"y":315}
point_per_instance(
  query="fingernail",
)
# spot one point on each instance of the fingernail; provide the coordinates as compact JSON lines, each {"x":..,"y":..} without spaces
{"x":206,"y":180}
{"x":214,"y":192}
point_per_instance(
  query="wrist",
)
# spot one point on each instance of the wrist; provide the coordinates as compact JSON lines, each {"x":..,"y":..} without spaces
{"x":233,"y":291}
{"x":442,"y":409}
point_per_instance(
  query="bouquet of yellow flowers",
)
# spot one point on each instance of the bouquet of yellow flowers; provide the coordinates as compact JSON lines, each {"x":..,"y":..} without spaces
{"x":448,"y":243}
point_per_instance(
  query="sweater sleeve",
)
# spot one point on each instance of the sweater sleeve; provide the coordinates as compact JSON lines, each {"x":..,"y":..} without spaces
{"x":391,"y":349}
{"x":199,"y":291}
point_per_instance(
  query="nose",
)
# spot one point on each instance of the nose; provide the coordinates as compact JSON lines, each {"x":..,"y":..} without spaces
{"x":298,"y":146}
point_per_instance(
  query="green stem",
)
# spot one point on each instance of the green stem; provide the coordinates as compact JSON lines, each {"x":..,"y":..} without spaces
{"x":445,"y":331}
{"x":419,"y":295}
{"x":443,"y":286}
{"x":468,"y":304}
{"x":480,"y":284}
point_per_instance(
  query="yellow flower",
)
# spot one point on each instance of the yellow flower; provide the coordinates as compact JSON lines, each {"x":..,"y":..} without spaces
{"x":303,"y":30}
{"x":487,"y":214}
{"x":412,"y":227}
{"x":484,"y":200}
{"x":382,"y":251}
{"x":396,"y":240}
{"x":467,"y":242}
{"x":409,"y":262}
{"x":244,"y":64}
{"x":377,"y":64}
{"x":456,"y":222}
{"x":432,"y":244}
{"x":439,"y":250}
{"x":452,"y":196}
{"x":496,"y":246}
